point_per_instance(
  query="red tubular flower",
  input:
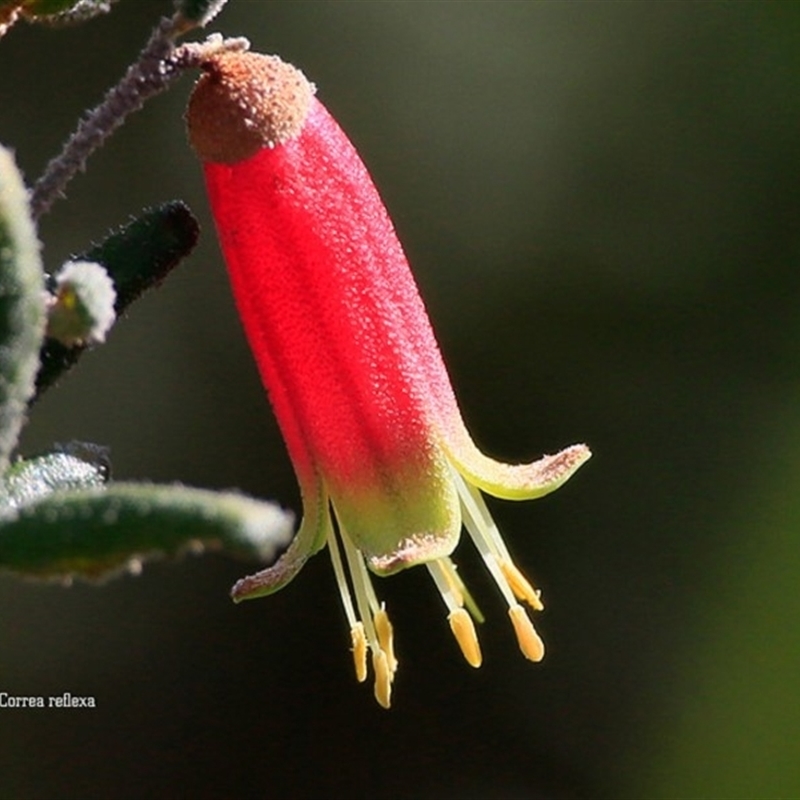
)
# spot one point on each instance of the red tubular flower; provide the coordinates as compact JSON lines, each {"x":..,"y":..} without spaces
{"x":350,"y":362}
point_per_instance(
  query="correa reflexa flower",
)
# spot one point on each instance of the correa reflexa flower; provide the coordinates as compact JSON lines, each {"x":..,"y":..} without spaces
{"x":351,"y":365}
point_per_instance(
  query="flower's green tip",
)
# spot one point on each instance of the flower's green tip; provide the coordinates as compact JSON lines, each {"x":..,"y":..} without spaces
{"x":370,"y":628}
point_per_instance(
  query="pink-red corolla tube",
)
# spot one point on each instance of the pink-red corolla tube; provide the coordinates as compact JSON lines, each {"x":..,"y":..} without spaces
{"x":347,"y":355}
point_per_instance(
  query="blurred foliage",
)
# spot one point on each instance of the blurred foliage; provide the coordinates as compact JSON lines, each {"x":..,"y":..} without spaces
{"x":22,"y":311}
{"x":200,"y":11}
{"x":35,"y":478}
{"x":77,"y":527}
{"x":57,"y":12}
{"x":733,"y":731}
{"x":137,"y":257}
{"x":58,"y":518}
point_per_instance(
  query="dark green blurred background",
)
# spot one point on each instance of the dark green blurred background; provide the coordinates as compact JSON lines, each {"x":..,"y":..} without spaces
{"x":600,"y":202}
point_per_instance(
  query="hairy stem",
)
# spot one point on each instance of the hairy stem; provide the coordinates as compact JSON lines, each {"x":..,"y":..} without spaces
{"x":158,"y":65}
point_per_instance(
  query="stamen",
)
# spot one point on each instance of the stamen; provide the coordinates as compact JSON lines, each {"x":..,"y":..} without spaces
{"x":529,"y":642}
{"x":464,"y":630}
{"x":484,"y":518}
{"x":372,"y":598}
{"x":360,"y":578}
{"x":487,"y":539}
{"x":383,"y":678}
{"x":359,"y":639}
{"x":455,"y":583}
{"x":377,"y":629}
{"x":453,"y":599}
{"x":521,"y":586}
{"x":512,"y":583}
{"x":357,"y":635}
{"x":383,"y":627}
{"x":451,"y":572}
{"x":444,"y":575}
{"x":494,"y":569}
{"x":341,"y":580}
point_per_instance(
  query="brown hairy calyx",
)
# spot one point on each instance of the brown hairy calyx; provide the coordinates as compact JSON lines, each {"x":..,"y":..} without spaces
{"x":244,"y":102}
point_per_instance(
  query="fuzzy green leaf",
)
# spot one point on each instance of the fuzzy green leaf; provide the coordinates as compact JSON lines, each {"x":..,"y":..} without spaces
{"x":93,"y":533}
{"x":200,"y":12}
{"x":36,"y":7}
{"x":137,"y":257}
{"x":22,"y":307}
{"x":35,"y":478}
{"x":64,"y":12}
{"x":140,"y":255}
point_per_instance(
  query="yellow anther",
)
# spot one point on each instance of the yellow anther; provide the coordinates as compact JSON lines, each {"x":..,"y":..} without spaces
{"x":464,"y":630}
{"x":520,"y":585}
{"x":383,"y":629}
{"x":383,"y":678}
{"x":529,"y":642}
{"x":68,"y":298}
{"x":359,"y":648}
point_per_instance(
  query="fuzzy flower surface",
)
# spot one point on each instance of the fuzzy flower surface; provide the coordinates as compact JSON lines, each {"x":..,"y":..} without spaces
{"x":388,"y":472}
{"x":82,"y":309}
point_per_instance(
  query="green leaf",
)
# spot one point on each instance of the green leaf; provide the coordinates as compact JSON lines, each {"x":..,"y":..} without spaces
{"x":140,"y":255}
{"x":22,"y":306}
{"x":35,"y":478}
{"x":35,"y":7}
{"x":93,"y":533}
{"x":64,"y":11}
{"x":137,"y":257}
{"x":199,"y":12}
